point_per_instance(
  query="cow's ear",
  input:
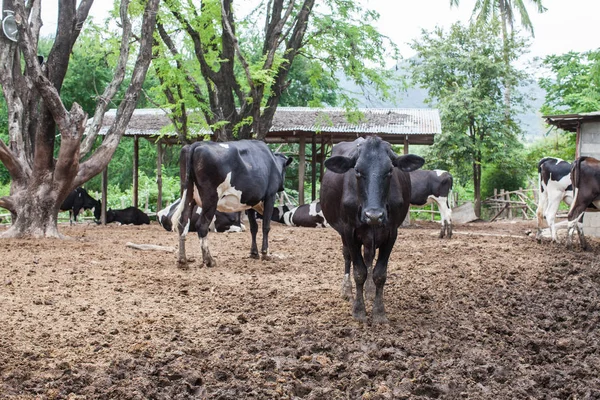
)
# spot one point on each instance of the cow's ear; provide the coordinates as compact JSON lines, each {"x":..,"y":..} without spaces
{"x":408,"y":162}
{"x":340,"y":164}
{"x":288,"y":161}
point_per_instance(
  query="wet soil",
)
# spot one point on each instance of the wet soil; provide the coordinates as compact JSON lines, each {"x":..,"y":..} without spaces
{"x":488,"y":314}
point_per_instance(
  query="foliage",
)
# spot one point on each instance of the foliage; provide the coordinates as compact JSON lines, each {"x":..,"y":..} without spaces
{"x":572,"y":84}
{"x":464,"y":72}
{"x":509,"y":174}
{"x":555,"y":144}
{"x":244,"y":78}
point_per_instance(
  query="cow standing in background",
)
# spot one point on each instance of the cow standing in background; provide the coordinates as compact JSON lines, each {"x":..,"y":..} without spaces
{"x":554,"y":178}
{"x":433,"y":186}
{"x":365,"y":196}
{"x":222,"y":222}
{"x":585,"y":176}
{"x":78,"y":200}
{"x":230,"y":177}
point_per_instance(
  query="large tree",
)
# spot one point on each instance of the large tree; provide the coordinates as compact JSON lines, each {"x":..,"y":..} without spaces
{"x":488,"y":11}
{"x":234,"y":70}
{"x":40,"y":182}
{"x":463,"y":71}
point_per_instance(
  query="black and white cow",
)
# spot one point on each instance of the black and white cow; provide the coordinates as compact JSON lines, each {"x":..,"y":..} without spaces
{"x":230,"y":177}
{"x":222,"y":222}
{"x":126,"y":216}
{"x":585,"y":176}
{"x":365,"y":196}
{"x":433,"y":186}
{"x":78,"y":200}
{"x":554,"y":179}
{"x":305,"y":215}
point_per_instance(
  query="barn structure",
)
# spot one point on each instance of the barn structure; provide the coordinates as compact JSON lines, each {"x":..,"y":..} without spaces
{"x":587,"y":128}
{"x":316,"y":128}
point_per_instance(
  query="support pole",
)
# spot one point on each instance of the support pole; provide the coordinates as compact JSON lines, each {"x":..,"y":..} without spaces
{"x":159,"y":158}
{"x":313,"y":168}
{"x":405,"y":144}
{"x":301,"y":170}
{"x":104,"y":195}
{"x":136,"y":161}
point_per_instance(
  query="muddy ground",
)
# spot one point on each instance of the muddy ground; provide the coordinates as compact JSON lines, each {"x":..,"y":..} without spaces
{"x":489,"y":314}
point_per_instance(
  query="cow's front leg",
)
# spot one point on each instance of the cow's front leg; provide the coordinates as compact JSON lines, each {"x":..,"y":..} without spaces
{"x":269,"y":204}
{"x":582,"y":240}
{"x":379,"y":278}
{"x":360,"y":276}
{"x":369,"y":285}
{"x":253,"y":230}
{"x":346,"y":282}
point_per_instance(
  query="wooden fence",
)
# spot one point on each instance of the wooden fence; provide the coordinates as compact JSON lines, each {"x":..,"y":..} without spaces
{"x":513,"y":204}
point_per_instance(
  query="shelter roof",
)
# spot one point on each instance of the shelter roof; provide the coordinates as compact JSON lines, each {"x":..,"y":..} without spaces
{"x":415,"y":125}
{"x":570,"y":122}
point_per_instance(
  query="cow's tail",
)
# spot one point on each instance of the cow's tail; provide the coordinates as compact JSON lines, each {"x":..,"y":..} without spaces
{"x":181,"y":216}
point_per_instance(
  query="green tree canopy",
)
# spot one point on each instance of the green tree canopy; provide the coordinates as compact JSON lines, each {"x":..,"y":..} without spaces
{"x":463,"y":70}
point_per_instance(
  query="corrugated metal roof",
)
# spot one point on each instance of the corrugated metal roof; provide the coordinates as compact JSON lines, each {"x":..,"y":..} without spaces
{"x":401,"y":121}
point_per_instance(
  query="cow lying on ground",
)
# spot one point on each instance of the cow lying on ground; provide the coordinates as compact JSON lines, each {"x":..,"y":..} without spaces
{"x":433,"y":186}
{"x":222,"y":222}
{"x":585,"y":176}
{"x":554,"y":178}
{"x":229,"y":177}
{"x":365,"y":196}
{"x":126,"y":216}
{"x":306,"y":215}
{"x":78,"y":200}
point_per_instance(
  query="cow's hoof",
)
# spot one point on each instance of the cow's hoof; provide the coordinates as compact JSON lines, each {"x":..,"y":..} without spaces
{"x":266,"y":257}
{"x":380,"y":319}
{"x":359,"y":314}
{"x":254,"y":255}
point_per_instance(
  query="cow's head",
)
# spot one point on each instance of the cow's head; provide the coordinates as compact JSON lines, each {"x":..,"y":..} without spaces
{"x":110,"y":216}
{"x":373,"y":162}
{"x":282,"y":162}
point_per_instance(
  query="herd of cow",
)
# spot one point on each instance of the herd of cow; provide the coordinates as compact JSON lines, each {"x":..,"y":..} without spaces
{"x":365,"y":196}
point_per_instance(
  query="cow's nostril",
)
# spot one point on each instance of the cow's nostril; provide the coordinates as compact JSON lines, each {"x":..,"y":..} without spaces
{"x":374,"y":217}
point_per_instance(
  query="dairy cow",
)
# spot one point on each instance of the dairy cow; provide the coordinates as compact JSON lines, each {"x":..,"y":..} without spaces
{"x":585,"y":176}
{"x":306,"y":215}
{"x":433,"y":186}
{"x":365,"y":196}
{"x":222,"y":222}
{"x":229,"y":177}
{"x":127,"y":216}
{"x":78,"y":200}
{"x":554,"y":181}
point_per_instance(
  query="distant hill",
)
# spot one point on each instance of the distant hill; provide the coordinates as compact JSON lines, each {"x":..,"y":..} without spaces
{"x":531,"y":121}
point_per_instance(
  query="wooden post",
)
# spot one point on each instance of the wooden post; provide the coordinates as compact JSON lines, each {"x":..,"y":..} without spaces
{"x":322,"y":163}
{"x":301,"y":170}
{"x":405,"y":144}
{"x":104,"y":195}
{"x":159,"y":158}
{"x":136,"y":160}
{"x":313,"y":168}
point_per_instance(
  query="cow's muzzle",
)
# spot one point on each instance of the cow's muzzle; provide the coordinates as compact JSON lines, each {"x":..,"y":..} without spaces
{"x":374,"y":217}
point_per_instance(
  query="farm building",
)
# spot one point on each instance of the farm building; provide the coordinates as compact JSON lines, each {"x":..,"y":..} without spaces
{"x":318,"y":127}
{"x":587,"y":128}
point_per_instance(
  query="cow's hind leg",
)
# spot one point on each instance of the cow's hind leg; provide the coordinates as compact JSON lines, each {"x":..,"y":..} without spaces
{"x":253,"y":232}
{"x":206,"y":217}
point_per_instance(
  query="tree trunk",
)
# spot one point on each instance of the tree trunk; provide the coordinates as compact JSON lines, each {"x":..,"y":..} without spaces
{"x":35,"y":213}
{"x":477,"y":187}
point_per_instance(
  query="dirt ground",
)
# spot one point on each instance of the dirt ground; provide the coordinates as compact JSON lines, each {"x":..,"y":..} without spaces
{"x":489,"y":314}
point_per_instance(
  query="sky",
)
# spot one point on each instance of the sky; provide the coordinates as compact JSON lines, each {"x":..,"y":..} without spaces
{"x":567,"y":24}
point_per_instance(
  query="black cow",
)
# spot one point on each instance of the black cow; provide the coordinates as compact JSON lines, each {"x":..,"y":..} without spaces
{"x":78,"y":200}
{"x":126,"y":216}
{"x":365,"y":196}
{"x":306,"y":215}
{"x":554,"y":178}
{"x":230,"y":177}
{"x":433,"y":186}
{"x":222,"y":222}
{"x":585,"y":176}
